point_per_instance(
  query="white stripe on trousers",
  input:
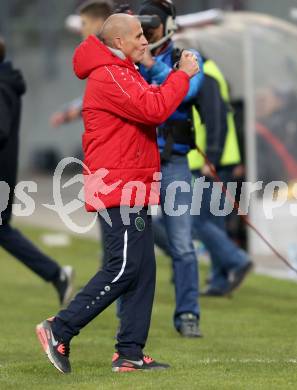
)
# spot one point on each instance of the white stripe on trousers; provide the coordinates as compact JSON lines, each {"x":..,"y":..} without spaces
{"x":124,"y":258}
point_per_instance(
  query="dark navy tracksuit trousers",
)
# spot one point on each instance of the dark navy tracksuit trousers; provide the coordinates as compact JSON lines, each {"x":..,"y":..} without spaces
{"x":130,"y":272}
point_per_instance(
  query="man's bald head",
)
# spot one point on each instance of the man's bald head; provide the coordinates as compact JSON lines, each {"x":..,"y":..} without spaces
{"x":124,"y":32}
{"x":117,"y":26}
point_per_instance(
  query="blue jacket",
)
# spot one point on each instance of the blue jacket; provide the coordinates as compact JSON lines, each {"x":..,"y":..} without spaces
{"x":158,"y":74}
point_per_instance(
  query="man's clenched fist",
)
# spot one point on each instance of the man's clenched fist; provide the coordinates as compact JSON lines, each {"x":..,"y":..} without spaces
{"x":189,"y":63}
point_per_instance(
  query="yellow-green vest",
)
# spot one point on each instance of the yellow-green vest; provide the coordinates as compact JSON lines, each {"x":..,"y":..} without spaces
{"x":231,"y":153}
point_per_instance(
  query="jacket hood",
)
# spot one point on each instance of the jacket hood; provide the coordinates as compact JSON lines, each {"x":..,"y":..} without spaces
{"x":92,"y":54}
{"x":12,"y":77}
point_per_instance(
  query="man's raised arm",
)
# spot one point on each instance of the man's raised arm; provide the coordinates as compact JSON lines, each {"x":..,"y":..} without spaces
{"x":151,"y":105}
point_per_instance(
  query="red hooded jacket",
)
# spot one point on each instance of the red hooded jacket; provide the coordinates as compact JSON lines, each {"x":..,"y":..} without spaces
{"x":120,"y":113}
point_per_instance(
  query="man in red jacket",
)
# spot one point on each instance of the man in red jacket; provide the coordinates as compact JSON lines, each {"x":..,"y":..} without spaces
{"x":120,"y":112}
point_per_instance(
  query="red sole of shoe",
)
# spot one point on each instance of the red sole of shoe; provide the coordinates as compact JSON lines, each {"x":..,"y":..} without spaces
{"x":40,"y":332}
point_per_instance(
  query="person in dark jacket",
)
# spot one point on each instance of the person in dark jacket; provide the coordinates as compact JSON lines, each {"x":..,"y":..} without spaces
{"x":216,"y":136}
{"x":12,"y":87}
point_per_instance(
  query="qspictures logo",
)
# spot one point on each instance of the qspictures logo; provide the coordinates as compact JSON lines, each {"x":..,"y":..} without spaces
{"x":95,"y":188}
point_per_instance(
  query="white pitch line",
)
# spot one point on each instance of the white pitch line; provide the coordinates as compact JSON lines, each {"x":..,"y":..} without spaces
{"x":246,"y":361}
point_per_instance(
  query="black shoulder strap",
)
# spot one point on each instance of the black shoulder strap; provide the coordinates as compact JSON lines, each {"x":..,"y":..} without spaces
{"x":8,"y":94}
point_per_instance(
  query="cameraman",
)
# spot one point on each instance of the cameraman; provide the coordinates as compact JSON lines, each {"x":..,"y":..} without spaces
{"x":175,"y":141}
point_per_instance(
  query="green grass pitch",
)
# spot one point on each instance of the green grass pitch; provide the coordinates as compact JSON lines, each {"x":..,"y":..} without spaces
{"x":250,"y":340}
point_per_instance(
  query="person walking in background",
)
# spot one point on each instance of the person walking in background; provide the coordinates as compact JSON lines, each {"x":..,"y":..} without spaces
{"x":93,"y":14}
{"x":216,"y":137}
{"x":12,"y":87}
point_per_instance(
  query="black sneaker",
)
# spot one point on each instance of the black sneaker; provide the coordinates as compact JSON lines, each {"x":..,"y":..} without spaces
{"x":57,"y":351}
{"x":122,"y":364}
{"x":212,"y":292}
{"x":236,"y":277}
{"x":189,"y":325}
{"x":64,"y":284}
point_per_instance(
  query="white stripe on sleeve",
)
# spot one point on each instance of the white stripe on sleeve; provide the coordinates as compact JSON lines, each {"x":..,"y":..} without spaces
{"x":117,"y":82}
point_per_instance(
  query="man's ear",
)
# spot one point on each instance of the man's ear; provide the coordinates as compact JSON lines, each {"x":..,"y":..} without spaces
{"x":117,"y":43}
